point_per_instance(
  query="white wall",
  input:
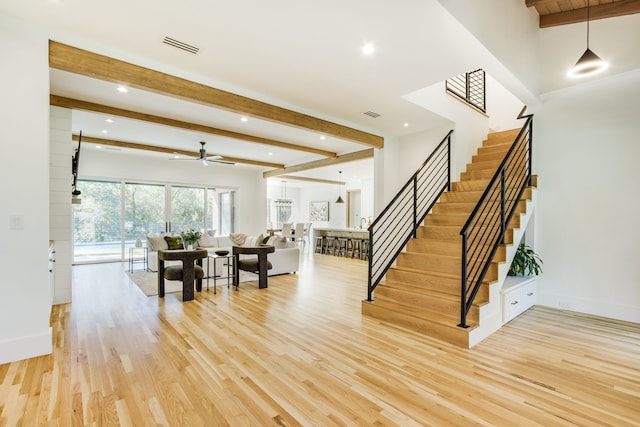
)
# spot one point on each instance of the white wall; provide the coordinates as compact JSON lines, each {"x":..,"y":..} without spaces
{"x":586,"y":152}
{"x":509,"y":31}
{"x":470,"y":127}
{"x":251,"y":187}
{"x":24,"y":189}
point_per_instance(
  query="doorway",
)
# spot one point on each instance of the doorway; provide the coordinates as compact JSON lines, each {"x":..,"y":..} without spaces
{"x":354,"y":207}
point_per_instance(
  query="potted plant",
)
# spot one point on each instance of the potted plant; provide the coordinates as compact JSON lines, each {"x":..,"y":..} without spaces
{"x":525,"y":262}
{"x":190,"y":238}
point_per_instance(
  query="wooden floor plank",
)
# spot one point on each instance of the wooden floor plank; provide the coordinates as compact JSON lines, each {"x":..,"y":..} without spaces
{"x":301,"y":353}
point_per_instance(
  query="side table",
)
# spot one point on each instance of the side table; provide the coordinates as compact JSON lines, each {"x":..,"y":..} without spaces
{"x":228,"y":261}
{"x":133,"y":260}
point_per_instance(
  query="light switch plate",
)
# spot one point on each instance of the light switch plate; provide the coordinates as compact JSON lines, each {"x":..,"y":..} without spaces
{"x":16,"y":222}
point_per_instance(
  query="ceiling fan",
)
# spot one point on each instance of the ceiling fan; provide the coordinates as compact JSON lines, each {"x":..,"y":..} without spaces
{"x":206,"y":160}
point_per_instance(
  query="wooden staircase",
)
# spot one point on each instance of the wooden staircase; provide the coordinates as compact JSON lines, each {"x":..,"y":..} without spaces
{"x":422,"y":290}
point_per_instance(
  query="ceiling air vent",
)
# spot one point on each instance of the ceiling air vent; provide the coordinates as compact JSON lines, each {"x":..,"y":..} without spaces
{"x":372,"y":114}
{"x":180,"y":45}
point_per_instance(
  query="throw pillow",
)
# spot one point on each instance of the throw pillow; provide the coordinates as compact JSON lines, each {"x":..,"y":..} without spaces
{"x":174,"y":242}
{"x":206,"y":241}
{"x":156,"y":243}
{"x":238,"y":238}
{"x":280,"y":242}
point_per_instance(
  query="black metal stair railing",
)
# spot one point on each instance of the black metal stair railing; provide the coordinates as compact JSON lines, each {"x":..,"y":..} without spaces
{"x":470,"y":88}
{"x":485,"y":229}
{"x":398,"y":222}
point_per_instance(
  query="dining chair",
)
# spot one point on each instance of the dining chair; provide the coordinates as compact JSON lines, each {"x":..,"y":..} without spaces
{"x":298,"y":235}
{"x":286,"y":231}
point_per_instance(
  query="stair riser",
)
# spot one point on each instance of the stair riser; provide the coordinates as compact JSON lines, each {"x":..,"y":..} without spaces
{"x":475,"y":175}
{"x":498,"y":139}
{"x":431,"y":283}
{"x":484,"y":165}
{"x":430,"y":262}
{"x":425,"y":281}
{"x":459,"y":220}
{"x":434,"y":247}
{"x":448,"y":333}
{"x":476,"y":185}
{"x":493,"y":150}
{"x":450,"y":233}
{"x":488,"y":157}
{"x":474,"y":196}
{"x":448,"y":208}
{"x":448,"y":308}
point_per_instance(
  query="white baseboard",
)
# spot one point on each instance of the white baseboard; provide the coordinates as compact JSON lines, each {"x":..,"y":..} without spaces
{"x":26,"y":347}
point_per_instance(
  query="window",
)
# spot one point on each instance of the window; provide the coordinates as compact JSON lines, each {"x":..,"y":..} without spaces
{"x":114,"y":215}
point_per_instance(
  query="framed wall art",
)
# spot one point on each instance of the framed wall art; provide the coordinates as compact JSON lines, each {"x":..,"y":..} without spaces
{"x":318,"y":211}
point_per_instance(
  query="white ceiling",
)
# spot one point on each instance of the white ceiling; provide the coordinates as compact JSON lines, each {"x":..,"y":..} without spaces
{"x":296,"y":54}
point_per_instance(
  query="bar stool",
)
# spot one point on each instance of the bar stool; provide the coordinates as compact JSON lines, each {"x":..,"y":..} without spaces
{"x":364,"y":249}
{"x":330,"y":245}
{"x":343,"y":243}
{"x":356,"y":245}
{"x":319,"y":247}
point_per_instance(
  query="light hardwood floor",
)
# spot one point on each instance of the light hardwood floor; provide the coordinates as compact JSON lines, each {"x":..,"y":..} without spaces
{"x":300,"y":353}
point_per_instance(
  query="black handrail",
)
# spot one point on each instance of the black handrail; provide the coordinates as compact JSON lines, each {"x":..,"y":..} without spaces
{"x":485,"y":229}
{"x":399,"y":221}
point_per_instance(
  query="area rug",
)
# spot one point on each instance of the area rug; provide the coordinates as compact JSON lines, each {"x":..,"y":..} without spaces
{"x":147,"y":281}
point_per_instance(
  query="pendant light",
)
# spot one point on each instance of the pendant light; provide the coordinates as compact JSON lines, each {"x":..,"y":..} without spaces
{"x":589,"y":63}
{"x":339,"y":183}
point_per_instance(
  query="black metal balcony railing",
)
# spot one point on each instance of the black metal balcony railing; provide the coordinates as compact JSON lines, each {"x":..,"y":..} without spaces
{"x":470,"y":88}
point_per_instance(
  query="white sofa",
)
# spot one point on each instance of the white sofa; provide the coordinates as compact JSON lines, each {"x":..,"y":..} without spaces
{"x":285,"y":259}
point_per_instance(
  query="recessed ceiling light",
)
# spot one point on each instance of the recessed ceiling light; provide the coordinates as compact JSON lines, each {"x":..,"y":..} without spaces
{"x":104,"y":131}
{"x":271,"y":154}
{"x":368,"y":49}
{"x":406,"y":125}
{"x":244,"y":119}
{"x":323,"y":137}
{"x":98,"y":146}
{"x":109,"y":120}
{"x":175,"y":156}
{"x":122,"y":89}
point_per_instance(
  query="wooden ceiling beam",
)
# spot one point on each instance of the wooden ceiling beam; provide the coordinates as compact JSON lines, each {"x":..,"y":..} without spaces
{"x":307,"y":179}
{"x":345,"y":158}
{"x":602,"y":11}
{"x":77,"y":104}
{"x":79,"y":61}
{"x":154,"y":148}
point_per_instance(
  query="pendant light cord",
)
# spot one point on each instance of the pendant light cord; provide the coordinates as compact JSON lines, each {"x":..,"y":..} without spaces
{"x":588,"y":16}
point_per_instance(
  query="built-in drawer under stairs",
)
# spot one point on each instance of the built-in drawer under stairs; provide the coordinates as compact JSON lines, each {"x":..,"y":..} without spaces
{"x":422,"y":290}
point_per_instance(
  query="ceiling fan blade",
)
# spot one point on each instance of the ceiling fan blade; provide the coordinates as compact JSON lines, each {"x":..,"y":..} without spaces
{"x":224,"y":162}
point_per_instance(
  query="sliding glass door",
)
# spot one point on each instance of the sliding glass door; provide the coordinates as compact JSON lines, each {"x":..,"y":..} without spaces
{"x":113,"y":216}
{"x":97,"y":222}
{"x":187,"y":209}
{"x":144,"y":211}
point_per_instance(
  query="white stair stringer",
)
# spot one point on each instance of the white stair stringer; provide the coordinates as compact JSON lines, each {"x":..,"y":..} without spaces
{"x":490,"y":314}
